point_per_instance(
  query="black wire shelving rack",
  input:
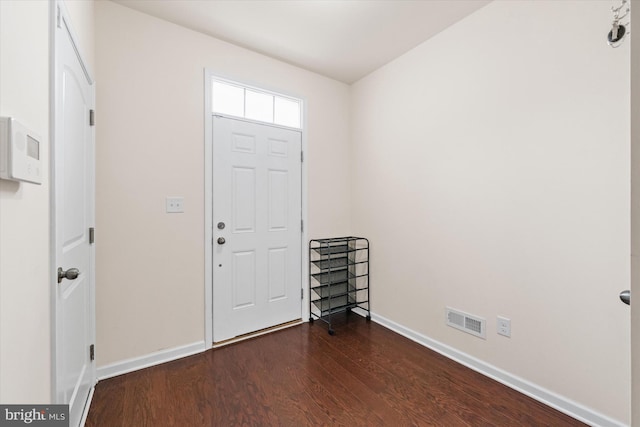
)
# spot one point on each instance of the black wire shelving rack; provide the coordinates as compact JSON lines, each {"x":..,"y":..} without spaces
{"x":338,"y":278}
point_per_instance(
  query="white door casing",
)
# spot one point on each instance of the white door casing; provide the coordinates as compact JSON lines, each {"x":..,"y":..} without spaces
{"x":257,"y":277}
{"x":73,"y":214}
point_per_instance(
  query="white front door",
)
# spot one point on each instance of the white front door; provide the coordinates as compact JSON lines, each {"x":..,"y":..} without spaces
{"x":73,"y":156}
{"x":257,"y":247}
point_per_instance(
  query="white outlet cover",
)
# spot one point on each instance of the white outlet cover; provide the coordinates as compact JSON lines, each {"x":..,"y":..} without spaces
{"x":504,"y":326}
{"x":175,"y":204}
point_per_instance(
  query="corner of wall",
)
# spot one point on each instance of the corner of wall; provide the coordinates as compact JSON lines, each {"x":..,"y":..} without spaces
{"x":25,"y":361}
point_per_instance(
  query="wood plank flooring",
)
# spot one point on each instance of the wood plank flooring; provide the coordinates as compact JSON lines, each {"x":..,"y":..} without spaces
{"x":365,"y":375}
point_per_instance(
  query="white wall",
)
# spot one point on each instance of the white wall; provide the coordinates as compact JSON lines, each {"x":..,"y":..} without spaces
{"x":150,"y":144}
{"x":24,"y":210}
{"x":499,"y":155}
{"x":25,"y":317}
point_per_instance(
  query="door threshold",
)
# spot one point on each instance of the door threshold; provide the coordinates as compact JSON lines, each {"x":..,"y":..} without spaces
{"x":257,"y":333}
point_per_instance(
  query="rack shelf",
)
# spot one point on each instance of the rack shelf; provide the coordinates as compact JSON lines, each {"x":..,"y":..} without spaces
{"x":338,"y":277}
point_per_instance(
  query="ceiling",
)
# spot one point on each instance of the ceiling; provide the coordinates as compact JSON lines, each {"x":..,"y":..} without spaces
{"x":341,"y":39}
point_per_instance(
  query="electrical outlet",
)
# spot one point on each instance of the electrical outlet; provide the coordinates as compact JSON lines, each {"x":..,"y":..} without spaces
{"x":504,"y":326}
{"x":175,"y":204}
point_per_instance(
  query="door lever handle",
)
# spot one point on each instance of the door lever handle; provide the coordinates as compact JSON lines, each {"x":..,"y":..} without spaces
{"x":70,"y":274}
{"x":625,"y":297}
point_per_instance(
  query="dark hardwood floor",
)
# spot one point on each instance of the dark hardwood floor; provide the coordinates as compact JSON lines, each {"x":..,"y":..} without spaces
{"x":365,"y":375}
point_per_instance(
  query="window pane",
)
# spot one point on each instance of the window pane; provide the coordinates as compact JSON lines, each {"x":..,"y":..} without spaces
{"x":259,"y":106}
{"x":228,"y":99}
{"x":287,"y":112}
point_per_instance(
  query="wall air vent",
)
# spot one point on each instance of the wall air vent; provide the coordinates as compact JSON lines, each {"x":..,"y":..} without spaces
{"x":468,"y":323}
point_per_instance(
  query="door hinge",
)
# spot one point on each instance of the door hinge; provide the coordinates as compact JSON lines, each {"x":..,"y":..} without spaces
{"x":92,"y":352}
{"x":301,"y":293}
{"x":92,"y":118}
{"x":92,"y":235}
{"x":302,"y":156}
{"x":59,"y":18}
{"x":301,"y":225}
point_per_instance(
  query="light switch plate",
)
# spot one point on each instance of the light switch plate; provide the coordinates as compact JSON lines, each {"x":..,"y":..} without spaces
{"x":175,"y":204}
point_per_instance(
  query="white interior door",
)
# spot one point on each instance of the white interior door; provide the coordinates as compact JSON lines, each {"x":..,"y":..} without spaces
{"x":74,"y":215}
{"x":635,"y":216}
{"x":257,"y":213}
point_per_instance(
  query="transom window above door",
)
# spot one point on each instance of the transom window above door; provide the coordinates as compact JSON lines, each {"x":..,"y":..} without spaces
{"x":234,"y":99}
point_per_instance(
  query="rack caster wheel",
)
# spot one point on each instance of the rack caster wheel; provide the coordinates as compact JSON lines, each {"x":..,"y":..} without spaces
{"x":332,"y":332}
{"x":348,"y":311}
{"x":369,"y":318}
{"x":310,"y":319}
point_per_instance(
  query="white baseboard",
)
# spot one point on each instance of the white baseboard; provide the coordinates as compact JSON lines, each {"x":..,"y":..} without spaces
{"x":152,"y":359}
{"x":360,"y":311}
{"x":549,"y":398}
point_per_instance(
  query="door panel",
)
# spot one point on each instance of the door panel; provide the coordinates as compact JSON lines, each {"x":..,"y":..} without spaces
{"x":278,"y":200}
{"x":257,"y":195}
{"x":75,"y":111}
{"x":244,"y":279}
{"x":74,"y":214}
{"x":277,"y":273}
{"x":244,"y":200}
